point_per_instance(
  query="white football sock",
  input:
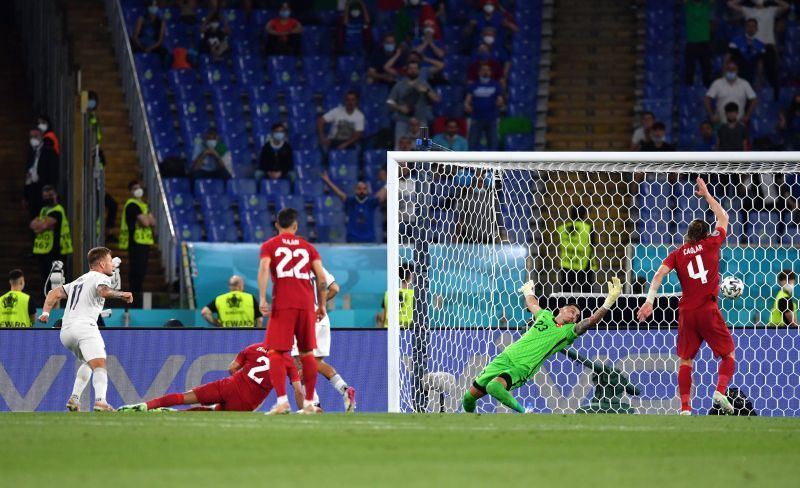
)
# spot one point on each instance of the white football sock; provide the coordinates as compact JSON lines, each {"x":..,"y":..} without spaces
{"x":81,"y":380}
{"x":283,"y":399}
{"x":100,"y":384}
{"x":316,"y":397}
{"x":338,"y":383}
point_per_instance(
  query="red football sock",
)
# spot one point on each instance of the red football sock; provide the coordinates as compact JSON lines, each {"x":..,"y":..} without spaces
{"x":277,"y":372}
{"x":166,"y":401}
{"x":685,"y":385}
{"x":309,"y":363}
{"x":726,"y":367}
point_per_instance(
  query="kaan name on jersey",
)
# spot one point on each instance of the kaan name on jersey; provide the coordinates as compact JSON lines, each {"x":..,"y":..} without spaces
{"x":693,"y":250}
{"x":291,"y":242}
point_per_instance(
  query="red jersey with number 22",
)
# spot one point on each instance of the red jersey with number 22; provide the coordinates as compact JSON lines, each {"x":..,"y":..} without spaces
{"x":697,"y":265}
{"x":290,"y":268}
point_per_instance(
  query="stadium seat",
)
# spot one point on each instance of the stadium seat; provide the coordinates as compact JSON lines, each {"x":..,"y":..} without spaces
{"x":180,"y":200}
{"x":351,"y":70}
{"x":452,"y":101}
{"x":220,"y":232}
{"x":519,"y":142}
{"x":282,"y":71}
{"x":240,"y":187}
{"x":272,"y":189}
{"x":316,"y":40}
{"x":248,"y":70}
{"x":254,"y":203}
{"x":212,"y":203}
{"x":343,"y":168}
{"x":318,"y":73}
{"x":325,"y":207}
{"x":257,"y":227}
{"x":374,"y":163}
{"x":308,"y":164}
{"x":203,"y":187}
{"x":309,"y":189}
{"x":290,"y":201}
{"x":177,"y":185}
{"x":189,"y":232}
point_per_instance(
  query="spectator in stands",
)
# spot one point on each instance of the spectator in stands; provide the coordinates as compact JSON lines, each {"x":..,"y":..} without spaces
{"x":148,"y":34}
{"x":42,"y":170}
{"x":483,"y":101}
{"x":376,"y":73}
{"x":499,"y":68}
{"x":187,"y":11}
{"x":492,"y":15}
{"x":411,"y":97}
{"x":789,"y":125}
{"x":577,"y":240}
{"x":450,"y":138}
{"x":427,"y":46}
{"x":730,"y":88}
{"x":360,"y":209}
{"x":747,"y":51}
{"x":355,"y":29}
{"x":658,"y":140}
{"x":235,"y":308}
{"x":429,"y":67}
{"x":410,"y":18}
{"x":214,"y":35}
{"x":708,"y":138}
{"x":732,"y":135}
{"x":53,"y":240}
{"x":642,"y":133}
{"x":16,"y":307}
{"x":347,"y":125}
{"x":48,"y":136}
{"x":211,"y":158}
{"x":283,"y":33}
{"x":136,"y":235}
{"x":276,"y":160}
{"x":697,"y":15}
{"x":765,"y":15}
{"x":414,"y":129}
{"x":784,"y":309}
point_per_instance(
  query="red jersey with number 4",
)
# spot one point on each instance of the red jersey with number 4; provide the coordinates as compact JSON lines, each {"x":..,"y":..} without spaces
{"x":697,"y":265}
{"x":290,"y":268}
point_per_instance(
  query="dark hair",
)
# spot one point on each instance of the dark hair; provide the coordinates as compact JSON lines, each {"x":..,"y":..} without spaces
{"x":286,"y":217}
{"x":751,"y":19}
{"x":452,"y":119}
{"x":659,"y":126}
{"x":697,"y":231}
{"x":47,"y":188}
{"x":15,"y":274}
{"x":96,"y":254}
{"x":46,"y":119}
{"x":352,"y":92}
{"x":132,"y":183}
{"x":647,"y":112}
{"x":92,"y":95}
{"x":706,"y":122}
{"x":278,"y":125}
{"x":731,"y":107}
{"x":578,"y":213}
{"x":785,"y":275}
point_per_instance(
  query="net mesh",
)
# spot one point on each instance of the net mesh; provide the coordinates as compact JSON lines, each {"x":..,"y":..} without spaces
{"x":474,"y":233}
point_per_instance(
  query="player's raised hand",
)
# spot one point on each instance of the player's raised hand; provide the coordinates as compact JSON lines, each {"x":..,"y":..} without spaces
{"x":264,"y":307}
{"x":127,"y":296}
{"x":44,"y":317}
{"x":702,"y":189}
{"x":321,"y":312}
{"x":527,"y":288}
{"x":614,"y":291}
{"x":645,"y":311}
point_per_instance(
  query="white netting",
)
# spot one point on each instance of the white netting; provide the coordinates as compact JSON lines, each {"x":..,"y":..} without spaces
{"x":474,"y":232}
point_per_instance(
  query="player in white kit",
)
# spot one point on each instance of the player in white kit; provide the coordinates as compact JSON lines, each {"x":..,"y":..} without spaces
{"x":79,"y":333}
{"x":323,"y":349}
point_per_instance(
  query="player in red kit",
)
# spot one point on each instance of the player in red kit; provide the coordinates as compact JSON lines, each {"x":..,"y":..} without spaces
{"x":699,"y":318}
{"x":288,"y":260}
{"x":243,"y":391}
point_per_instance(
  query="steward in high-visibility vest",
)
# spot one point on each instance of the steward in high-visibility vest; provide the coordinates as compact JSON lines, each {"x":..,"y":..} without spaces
{"x":141,"y":234}
{"x":16,"y":307}
{"x":233,"y":309}
{"x":45,"y":240}
{"x":576,"y":251}
{"x":405,"y":297}
{"x":784,"y":302}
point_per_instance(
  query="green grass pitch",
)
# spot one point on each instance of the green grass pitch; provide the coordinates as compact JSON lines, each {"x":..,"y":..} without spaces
{"x":381,"y":450}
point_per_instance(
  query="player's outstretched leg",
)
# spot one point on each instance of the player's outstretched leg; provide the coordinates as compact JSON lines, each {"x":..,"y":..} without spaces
{"x":726,"y":367}
{"x":685,"y":386}
{"x":348,"y":392}
{"x":498,"y":389}
{"x":82,"y":377}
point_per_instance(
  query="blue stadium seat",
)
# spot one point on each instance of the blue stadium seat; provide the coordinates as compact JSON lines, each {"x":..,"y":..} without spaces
{"x":517,"y":220}
{"x":182,"y":216}
{"x":343,"y":168}
{"x":257,"y":227}
{"x":374,"y":162}
{"x":240,"y":187}
{"x":264,"y":110}
{"x":189,"y":232}
{"x":180,"y":200}
{"x":282,"y":71}
{"x":149,"y":70}
{"x":519,"y":142}
{"x":331,"y":228}
{"x":318,"y":73}
{"x":374,"y":94}
{"x":221,"y":232}
{"x":299,"y":95}
{"x":185,"y":84}
{"x":521,"y":94}
{"x":308,"y":164}
{"x":317,"y":39}
{"x":248,"y":70}
{"x":289,"y":201}
{"x":376,"y":117}
{"x":325,"y":207}
{"x":217,"y":73}
{"x":351,"y":70}
{"x":272,"y":189}
{"x":305,"y":141}
{"x":204,"y":187}
{"x":452,"y":101}
{"x":212,"y":203}
{"x":254,"y":203}
{"x":176,"y":185}
{"x":455,"y":65}
{"x":308,"y":190}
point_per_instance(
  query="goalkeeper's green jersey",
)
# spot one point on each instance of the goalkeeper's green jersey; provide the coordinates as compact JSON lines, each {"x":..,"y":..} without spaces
{"x":542,"y":340}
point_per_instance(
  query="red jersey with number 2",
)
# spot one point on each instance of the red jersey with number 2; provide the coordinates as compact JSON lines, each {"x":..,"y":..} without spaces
{"x":697,"y":265}
{"x":290,"y":269}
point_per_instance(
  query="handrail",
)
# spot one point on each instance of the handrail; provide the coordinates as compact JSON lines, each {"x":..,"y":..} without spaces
{"x":168,"y":239}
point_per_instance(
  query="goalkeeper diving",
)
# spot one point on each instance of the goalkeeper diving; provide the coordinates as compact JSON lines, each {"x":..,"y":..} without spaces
{"x":547,"y":335}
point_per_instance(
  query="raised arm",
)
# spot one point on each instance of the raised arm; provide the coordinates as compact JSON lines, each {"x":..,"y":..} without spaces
{"x":263,"y":282}
{"x":719,"y":213}
{"x":734,"y":4}
{"x":322,"y":289}
{"x":614,"y":291}
{"x":531,"y":302}
{"x":50,"y":301}
{"x":335,"y":189}
{"x":647,"y":307}
{"x":106,"y":291}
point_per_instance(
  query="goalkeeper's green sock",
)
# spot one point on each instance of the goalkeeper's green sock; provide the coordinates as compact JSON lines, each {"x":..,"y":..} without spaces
{"x":468,"y":402}
{"x":497,"y":390}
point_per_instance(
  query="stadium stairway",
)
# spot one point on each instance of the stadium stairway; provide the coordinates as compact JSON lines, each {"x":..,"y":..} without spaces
{"x":592,"y":76}
{"x":16,"y":118}
{"x":88,"y":27}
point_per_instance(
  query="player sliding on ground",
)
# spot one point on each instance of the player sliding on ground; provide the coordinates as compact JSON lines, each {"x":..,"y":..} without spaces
{"x":243,"y":391}
{"x":699,"y":318}
{"x":546,"y":336}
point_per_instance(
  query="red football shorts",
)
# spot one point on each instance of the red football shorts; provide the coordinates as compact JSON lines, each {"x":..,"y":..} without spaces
{"x":703,"y":324}
{"x":227,"y":395}
{"x":286,"y":324}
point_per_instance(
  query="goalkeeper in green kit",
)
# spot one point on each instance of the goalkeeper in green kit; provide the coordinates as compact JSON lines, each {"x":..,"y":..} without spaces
{"x":547,"y":335}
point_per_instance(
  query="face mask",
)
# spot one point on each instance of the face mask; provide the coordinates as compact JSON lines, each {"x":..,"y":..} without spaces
{"x":488,"y":40}
{"x":485,"y":79}
{"x":153,"y":10}
{"x":730,"y":75}
{"x":42,"y":127}
{"x":138,"y":193}
{"x":49,"y":202}
{"x":788,"y":288}
{"x":211,"y":143}
{"x":355,"y":13}
{"x":429,"y":30}
{"x":658,"y":139}
{"x":488,"y":8}
{"x":413,"y":2}
{"x":279,"y":136}
{"x":214,"y":25}
{"x":92,"y":104}
{"x":389,"y":48}
{"x":285,"y":14}
{"x":35,"y":142}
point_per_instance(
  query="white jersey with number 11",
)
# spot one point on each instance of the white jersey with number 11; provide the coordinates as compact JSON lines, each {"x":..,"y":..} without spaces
{"x":84,"y":302}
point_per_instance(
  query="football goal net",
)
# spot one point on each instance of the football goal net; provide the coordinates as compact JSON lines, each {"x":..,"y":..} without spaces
{"x":466,"y":230}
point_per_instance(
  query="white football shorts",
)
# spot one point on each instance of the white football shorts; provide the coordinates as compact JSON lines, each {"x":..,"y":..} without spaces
{"x":323,"y":349}
{"x":86,"y":343}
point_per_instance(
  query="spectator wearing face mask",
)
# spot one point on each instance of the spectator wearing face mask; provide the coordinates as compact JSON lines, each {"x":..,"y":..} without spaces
{"x":42,"y":169}
{"x":410,"y":19}
{"x":747,"y":51}
{"x":149,"y":32}
{"x":658,"y":140}
{"x":765,"y":12}
{"x":427,"y":46}
{"x":211,"y":158}
{"x":283,"y":33}
{"x":355,"y":29}
{"x":48,"y":136}
{"x":483,"y":101}
{"x":491,"y":15}
{"x":53,"y":240}
{"x":732,"y":135}
{"x":388,"y":49}
{"x":214,"y":35}
{"x":730,"y":88}
{"x":275,"y":161}
{"x":789,"y":125}
{"x":499,"y":68}
{"x":450,"y":138}
{"x":136,"y":235}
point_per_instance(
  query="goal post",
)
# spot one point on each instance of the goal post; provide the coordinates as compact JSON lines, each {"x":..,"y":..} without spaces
{"x":474,"y":226}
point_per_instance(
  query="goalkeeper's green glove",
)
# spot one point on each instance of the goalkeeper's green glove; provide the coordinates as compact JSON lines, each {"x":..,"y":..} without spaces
{"x":614,"y":291}
{"x":527,"y":289}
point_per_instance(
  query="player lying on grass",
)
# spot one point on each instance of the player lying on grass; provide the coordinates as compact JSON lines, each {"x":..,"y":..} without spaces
{"x":547,"y":335}
{"x":243,"y":391}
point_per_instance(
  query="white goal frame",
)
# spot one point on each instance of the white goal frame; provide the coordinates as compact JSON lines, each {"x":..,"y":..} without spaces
{"x":549,"y":160}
